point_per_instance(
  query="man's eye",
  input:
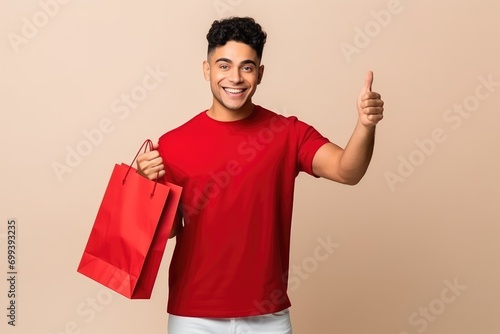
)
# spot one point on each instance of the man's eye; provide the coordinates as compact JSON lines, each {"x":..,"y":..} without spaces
{"x":223,"y":67}
{"x":247,"y":68}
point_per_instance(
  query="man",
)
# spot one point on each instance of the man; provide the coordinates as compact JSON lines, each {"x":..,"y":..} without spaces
{"x":237,"y":164}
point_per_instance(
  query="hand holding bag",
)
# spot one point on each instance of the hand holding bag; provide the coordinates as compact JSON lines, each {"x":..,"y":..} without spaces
{"x":129,"y":235}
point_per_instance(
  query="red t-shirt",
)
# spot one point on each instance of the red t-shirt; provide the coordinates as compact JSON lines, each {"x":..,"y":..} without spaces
{"x":231,"y":257}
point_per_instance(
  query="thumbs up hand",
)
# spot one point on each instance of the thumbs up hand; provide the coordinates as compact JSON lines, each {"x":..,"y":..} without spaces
{"x":370,"y":105}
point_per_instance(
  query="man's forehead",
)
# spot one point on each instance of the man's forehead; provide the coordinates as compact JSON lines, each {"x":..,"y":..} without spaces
{"x":235,"y":52}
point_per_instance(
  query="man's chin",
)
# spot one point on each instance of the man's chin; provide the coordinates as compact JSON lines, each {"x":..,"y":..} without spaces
{"x":236,"y":107}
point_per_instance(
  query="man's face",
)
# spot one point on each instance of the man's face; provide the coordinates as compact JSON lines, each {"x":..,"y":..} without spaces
{"x":234,"y":71}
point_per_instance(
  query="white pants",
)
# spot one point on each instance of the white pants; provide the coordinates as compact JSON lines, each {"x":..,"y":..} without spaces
{"x":274,"y":323}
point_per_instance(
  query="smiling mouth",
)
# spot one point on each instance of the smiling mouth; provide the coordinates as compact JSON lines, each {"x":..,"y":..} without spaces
{"x":235,"y":90}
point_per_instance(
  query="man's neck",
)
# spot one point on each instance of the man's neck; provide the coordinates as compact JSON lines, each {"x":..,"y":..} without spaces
{"x":222,"y":114}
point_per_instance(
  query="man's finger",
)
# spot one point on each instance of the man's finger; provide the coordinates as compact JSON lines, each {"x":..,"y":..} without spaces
{"x":373,"y":103}
{"x":368,"y":82}
{"x":148,"y":156}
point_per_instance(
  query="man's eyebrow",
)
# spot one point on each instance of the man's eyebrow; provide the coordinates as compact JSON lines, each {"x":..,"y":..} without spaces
{"x":248,"y":61}
{"x":244,"y":62}
{"x":224,"y":60}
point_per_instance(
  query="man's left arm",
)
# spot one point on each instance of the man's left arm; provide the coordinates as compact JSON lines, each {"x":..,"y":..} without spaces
{"x":348,"y":165}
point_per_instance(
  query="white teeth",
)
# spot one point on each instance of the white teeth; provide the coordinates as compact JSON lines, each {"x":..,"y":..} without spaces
{"x":233,"y":91}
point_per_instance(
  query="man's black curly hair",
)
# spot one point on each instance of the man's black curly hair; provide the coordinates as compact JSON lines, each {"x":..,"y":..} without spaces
{"x":238,"y":29}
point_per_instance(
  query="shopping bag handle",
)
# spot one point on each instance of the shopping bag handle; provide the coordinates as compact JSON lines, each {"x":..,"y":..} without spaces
{"x":145,"y":145}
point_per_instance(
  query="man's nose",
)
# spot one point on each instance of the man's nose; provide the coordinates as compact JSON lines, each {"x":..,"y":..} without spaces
{"x":235,"y":75}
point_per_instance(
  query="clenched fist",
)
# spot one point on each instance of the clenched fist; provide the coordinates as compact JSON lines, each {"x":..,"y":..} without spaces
{"x":149,"y":164}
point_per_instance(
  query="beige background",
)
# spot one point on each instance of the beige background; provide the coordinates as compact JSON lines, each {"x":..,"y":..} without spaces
{"x":398,"y":242}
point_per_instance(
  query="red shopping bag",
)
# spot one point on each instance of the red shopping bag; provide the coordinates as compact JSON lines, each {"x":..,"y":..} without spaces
{"x":129,"y":235}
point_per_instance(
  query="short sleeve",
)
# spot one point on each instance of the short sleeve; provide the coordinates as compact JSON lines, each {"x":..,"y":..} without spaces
{"x":309,"y":140}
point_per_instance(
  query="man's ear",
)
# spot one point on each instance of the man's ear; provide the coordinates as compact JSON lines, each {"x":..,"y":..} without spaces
{"x":261,"y":74}
{"x":206,"y":70}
